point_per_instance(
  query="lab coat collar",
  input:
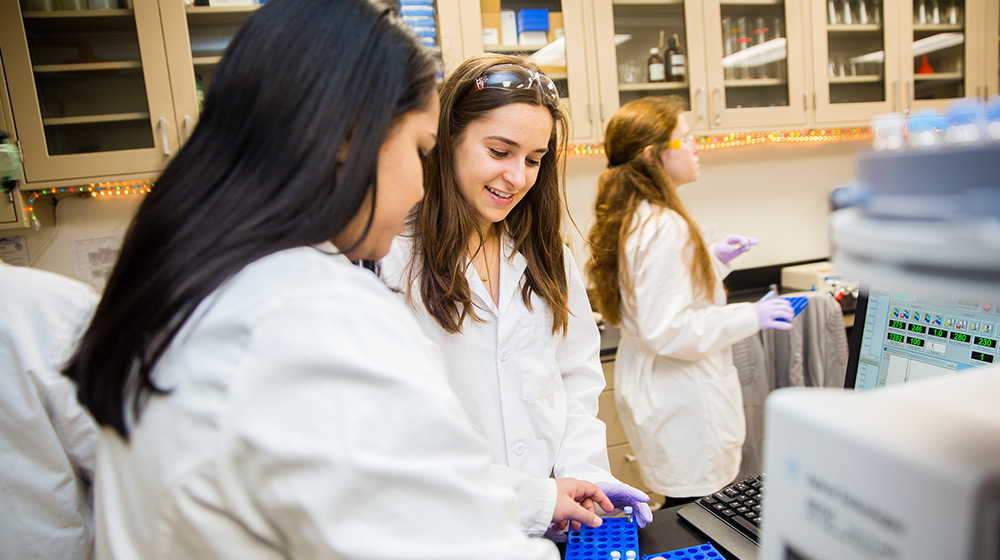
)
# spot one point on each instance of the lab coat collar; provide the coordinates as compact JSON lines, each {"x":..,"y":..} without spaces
{"x":512,"y":267}
{"x":330,"y":249}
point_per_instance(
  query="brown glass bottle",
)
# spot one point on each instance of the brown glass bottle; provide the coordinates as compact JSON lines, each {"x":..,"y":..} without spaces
{"x":656,"y":70}
{"x":676,"y":61}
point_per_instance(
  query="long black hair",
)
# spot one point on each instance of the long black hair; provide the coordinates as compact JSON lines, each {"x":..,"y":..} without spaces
{"x":284,"y":155}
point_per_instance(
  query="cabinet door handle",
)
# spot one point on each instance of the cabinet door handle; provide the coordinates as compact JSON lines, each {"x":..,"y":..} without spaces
{"x":163,"y":134}
{"x":629,"y":458}
{"x":701,"y":103}
{"x":895,"y":96}
{"x":187,"y":127}
{"x":717,"y":102}
{"x":909,"y":99}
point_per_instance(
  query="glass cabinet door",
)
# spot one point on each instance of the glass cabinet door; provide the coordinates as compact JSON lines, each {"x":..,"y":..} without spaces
{"x":198,"y":35}
{"x":940,"y":62}
{"x":857,"y":73}
{"x":551,"y":33}
{"x":756,"y":71}
{"x":84,"y":100}
{"x":652,"y":50}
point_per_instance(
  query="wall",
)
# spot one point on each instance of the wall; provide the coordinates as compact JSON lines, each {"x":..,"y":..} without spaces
{"x":777,"y":194}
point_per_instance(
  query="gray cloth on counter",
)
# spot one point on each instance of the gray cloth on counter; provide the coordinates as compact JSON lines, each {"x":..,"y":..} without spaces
{"x":812,"y":354}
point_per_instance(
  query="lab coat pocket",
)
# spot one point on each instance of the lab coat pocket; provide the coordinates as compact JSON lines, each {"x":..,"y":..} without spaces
{"x":536,"y":358}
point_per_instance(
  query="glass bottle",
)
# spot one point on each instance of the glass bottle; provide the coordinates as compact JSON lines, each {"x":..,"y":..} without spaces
{"x":655,"y":68}
{"x":676,"y":61}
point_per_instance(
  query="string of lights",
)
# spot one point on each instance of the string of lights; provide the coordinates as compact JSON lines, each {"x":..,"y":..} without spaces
{"x":94,"y":190}
{"x":741,"y":139}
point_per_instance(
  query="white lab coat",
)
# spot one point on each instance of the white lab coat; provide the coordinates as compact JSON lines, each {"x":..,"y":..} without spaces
{"x":47,"y":439}
{"x":677,"y":391}
{"x":308,"y":418}
{"x":532,"y":393}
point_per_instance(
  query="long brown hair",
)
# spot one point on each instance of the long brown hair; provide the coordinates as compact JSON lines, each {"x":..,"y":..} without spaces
{"x":630,"y":179}
{"x":443,"y":223}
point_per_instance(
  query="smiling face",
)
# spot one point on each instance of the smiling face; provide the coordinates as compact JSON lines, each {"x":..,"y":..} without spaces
{"x":400,"y":183}
{"x":681,"y":164}
{"x":498,"y":155}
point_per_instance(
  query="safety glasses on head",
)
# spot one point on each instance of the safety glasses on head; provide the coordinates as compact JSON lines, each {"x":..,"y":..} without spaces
{"x":514,"y":77}
{"x":687,"y":142}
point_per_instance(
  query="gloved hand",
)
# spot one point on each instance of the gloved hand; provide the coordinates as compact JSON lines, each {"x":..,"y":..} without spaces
{"x":622,"y":495}
{"x":775,"y":313}
{"x":732,"y":246}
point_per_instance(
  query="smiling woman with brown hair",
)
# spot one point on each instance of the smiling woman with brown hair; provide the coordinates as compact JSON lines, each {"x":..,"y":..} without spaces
{"x":484,"y":266}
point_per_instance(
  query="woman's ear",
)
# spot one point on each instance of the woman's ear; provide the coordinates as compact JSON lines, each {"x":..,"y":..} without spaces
{"x":647,"y":153}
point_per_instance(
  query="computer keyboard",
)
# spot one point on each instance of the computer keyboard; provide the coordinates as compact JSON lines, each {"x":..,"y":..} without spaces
{"x":738,"y":505}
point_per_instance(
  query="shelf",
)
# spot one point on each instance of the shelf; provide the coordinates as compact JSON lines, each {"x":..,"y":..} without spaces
{"x":86,"y":67}
{"x":930,"y":27}
{"x":645,"y":2}
{"x":938,"y":77}
{"x":205,"y":60}
{"x":725,"y":3}
{"x":201,"y":10}
{"x":511,"y":48}
{"x":76,"y":14}
{"x":867,"y":79}
{"x":95,"y":119}
{"x":854,"y":28}
{"x":652,"y":86}
{"x":755,"y":82}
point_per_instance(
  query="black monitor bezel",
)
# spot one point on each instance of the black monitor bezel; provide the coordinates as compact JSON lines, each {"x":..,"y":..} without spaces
{"x":857,"y":333}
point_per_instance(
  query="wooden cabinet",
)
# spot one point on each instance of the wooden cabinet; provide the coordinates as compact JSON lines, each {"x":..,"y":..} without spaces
{"x":763,"y":64}
{"x":871,"y":57}
{"x":89,"y":91}
{"x":744,"y":62}
{"x":109,"y":94}
{"x":566,"y":55}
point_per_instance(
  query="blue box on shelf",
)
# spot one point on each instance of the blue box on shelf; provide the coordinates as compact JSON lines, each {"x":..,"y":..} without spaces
{"x":597,"y":543}
{"x":533,"y":19}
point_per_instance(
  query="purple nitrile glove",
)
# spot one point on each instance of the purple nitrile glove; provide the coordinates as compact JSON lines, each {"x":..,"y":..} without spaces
{"x":622,"y":495}
{"x":775,"y":313}
{"x":732,"y":246}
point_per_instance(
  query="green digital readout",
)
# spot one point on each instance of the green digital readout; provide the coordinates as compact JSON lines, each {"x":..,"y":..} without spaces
{"x":959,"y":337}
{"x":985,"y":342}
{"x":894,"y":324}
{"x":917,"y":328}
{"x":979,"y":356}
{"x":913,"y":341}
{"x":896,"y":337}
{"x":940,"y":333}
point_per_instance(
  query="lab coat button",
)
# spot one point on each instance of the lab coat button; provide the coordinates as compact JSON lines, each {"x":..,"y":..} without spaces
{"x":520,"y":448}
{"x":504,"y":355}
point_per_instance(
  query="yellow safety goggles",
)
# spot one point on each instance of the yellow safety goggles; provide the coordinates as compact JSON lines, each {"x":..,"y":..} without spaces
{"x":686,"y":142}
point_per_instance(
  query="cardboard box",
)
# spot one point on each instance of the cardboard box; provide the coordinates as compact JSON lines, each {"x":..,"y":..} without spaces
{"x":555,"y":26}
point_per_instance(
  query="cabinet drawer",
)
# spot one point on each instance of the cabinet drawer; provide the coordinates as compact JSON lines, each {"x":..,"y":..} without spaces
{"x":608,"y":413}
{"x":625,"y":470}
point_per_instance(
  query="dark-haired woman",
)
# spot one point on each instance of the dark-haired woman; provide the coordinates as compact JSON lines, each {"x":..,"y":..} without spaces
{"x":676,"y":388}
{"x":484,"y":266}
{"x":260,"y":396}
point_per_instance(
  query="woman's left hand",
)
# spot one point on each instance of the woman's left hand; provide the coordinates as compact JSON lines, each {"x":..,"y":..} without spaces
{"x":622,"y":495}
{"x":732,"y":246}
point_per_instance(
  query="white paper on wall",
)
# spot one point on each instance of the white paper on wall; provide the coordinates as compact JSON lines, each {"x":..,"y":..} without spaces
{"x":93,"y":258}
